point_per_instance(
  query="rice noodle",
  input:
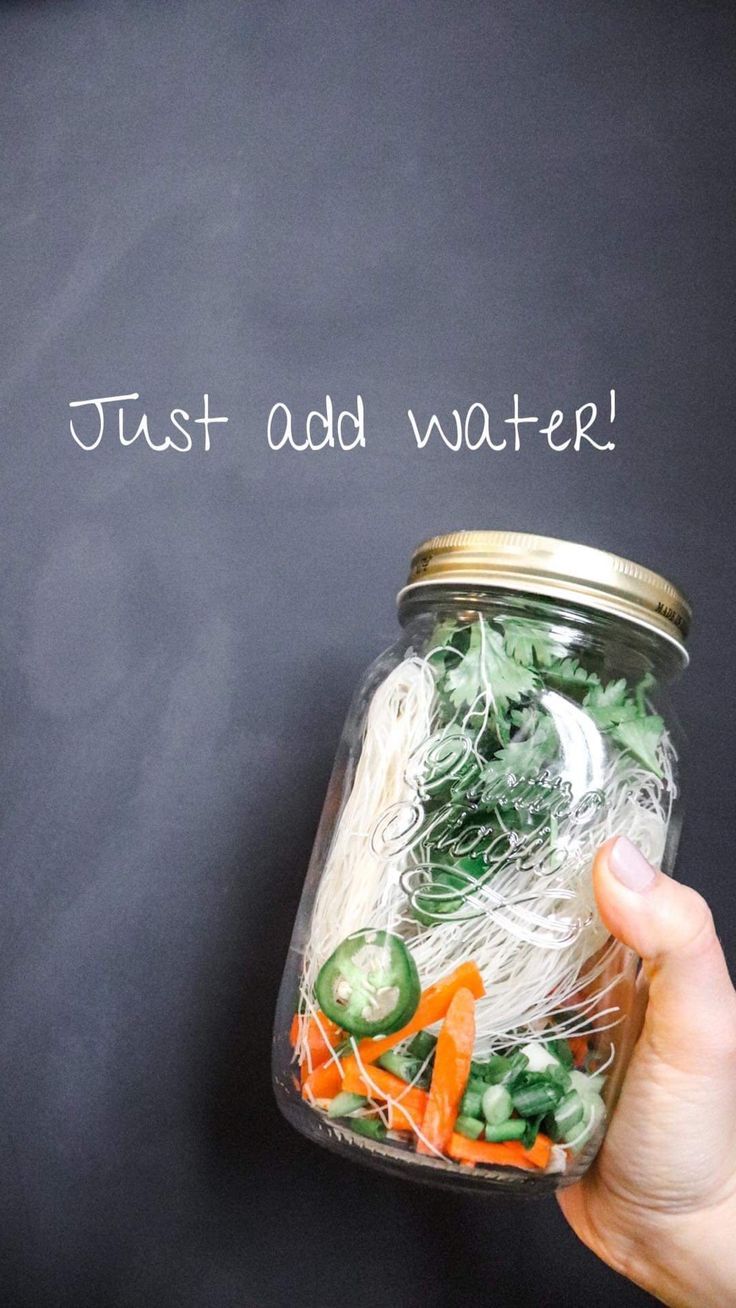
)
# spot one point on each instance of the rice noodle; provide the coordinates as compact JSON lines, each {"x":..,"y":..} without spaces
{"x":531,"y":924}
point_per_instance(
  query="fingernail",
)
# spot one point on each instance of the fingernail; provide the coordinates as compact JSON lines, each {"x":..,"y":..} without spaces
{"x":629,"y":865}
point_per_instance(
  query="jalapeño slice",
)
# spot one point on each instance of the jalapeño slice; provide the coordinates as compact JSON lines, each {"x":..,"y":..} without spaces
{"x":370,"y":985}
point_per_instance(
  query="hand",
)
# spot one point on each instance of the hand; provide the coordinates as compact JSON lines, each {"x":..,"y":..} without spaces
{"x":659,"y":1204}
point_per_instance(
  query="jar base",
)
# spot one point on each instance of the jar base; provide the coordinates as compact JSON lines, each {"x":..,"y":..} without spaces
{"x":395,"y":1160}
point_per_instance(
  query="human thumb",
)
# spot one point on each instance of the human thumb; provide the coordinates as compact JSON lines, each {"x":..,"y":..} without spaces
{"x":691,"y":1014}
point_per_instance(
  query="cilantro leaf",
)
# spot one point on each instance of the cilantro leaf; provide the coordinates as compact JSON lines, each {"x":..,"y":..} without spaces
{"x":607,"y":705}
{"x":441,"y":638}
{"x":530,"y":642}
{"x":568,"y":672}
{"x":640,"y":736}
{"x":486,"y":673}
{"x":627,"y":721}
{"x":534,"y":745}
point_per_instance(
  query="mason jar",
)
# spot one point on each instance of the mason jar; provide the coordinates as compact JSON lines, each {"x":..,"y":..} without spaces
{"x":453,"y":1008}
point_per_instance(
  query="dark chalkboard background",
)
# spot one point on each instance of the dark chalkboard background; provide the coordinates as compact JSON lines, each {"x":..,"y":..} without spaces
{"x":426,"y":203}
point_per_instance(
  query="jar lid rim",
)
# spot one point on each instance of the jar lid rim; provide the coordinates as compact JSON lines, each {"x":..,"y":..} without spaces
{"x":557,"y":569}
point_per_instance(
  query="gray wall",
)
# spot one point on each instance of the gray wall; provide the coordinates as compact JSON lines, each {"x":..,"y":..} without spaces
{"x":429,"y":204}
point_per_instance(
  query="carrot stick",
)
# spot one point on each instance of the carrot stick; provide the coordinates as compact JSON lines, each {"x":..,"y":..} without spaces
{"x":404,"y":1116}
{"x":578,"y":1049}
{"x":432,"y":1007}
{"x":451,"y":1071}
{"x":324,"y":1082}
{"x":540,"y":1152}
{"x":482,"y":1151}
{"x":322,"y":1037}
{"x":507,"y":1154}
{"x":378,"y":1084}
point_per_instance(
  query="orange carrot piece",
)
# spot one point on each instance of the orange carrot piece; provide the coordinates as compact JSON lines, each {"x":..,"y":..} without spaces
{"x":578,"y":1049}
{"x":483,"y":1151}
{"x":324,"y":1082}
{"x":540,"y":1152}
{"x":322,"y":1036}
{"x":432,"y":1007}
{"x":508,"y":1153}
{"x":404,"y":1116}
{"x":451,"y":1071}
{"x":352,"y":1081}
{"x":378,"y":1084}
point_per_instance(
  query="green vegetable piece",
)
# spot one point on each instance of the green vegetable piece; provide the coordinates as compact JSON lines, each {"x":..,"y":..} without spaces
{"x":407,"y":1069}
{"x":641,"y":737}
{"x":451,"y":880}
{"x":442,"y":637}
{"x":607,"y":704}
{"x":421,"y":1046}
{"x":560,"y":1075}
{"x":487,"y":673}
{"x":436,"y":900}
{"x":594,"y":1113}
{"x":531,"y":642}
{"x":370,"y":985}
{"x":492,"y":1070}
{"x":561,"y":1051}
{"x":625,"y":717}
{"x":541,"y":1057}
{"x":372,"y":1127}
{"x":470,"y":1105}
{"x":550,"y":1128}
{"x":496,"y":1104}
{"x":471,"y":1127}
{"x":647,"y":683}
{"x":513,"y":1129}
{"x":569,"y":1112}
{"x":529,"y":1100}
{"x":471,"y":866}
{"x":531,"y":1130}
{"x":516,"y":1066}
{"x":570,"y":675}
{"x":344,"y":1104}
{"x":476,"y":1084}
{"x":587,"y":1085}
{"x":534,"y":745}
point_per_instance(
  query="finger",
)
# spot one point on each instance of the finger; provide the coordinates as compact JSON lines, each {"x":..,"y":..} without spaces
{"x":691,"y":1016}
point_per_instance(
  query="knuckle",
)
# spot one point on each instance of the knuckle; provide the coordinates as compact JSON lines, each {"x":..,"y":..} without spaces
{"x":699,"y":924}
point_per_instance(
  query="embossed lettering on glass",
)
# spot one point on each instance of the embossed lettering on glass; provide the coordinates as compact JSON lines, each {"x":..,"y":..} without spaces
{"x":453,"y":1008}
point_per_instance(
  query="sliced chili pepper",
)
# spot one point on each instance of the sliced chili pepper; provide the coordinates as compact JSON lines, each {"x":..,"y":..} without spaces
{"x":370,"y":985}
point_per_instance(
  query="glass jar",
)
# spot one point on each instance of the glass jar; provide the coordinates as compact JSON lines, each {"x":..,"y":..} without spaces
{"x":453,"y":1008}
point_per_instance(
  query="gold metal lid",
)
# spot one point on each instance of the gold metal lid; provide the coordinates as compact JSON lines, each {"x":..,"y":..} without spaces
{"x":541,"y":565}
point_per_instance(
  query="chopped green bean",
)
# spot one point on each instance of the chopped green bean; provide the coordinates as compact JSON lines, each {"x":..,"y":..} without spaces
{"x":344,"y":1104}
{"x":496,"y":1104}
{"x":470,"y":1127}
{"x":516,"y":1064}
{"x":532,"y":1130}
{"x":407,"y":1069}
{"x":562,"y":1051}
{"x":531,"y":1099}
{"x":421,"y":1045}
{"x":513,"y":1129}
{"x":372,"y":1127}
{"x":470,"y":1105}
{"x":569,"y":1112}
